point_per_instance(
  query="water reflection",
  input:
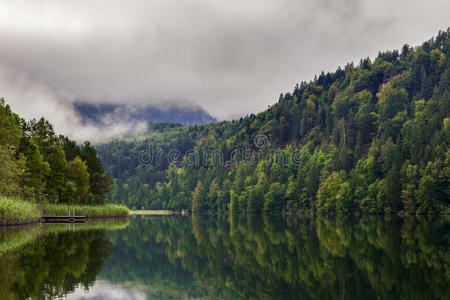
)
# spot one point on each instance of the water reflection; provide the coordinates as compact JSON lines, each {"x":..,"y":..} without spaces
{"x":105,"y":290}
{"x":254,"y":257}
{"x":237,"y":257}
{"x":50,"y":261}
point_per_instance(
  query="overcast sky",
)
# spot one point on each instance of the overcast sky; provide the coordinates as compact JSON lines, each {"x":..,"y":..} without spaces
{"x":232,"y":57}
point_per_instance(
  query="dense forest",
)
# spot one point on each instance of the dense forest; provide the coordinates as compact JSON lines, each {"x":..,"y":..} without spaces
{"x":40,"y":166}
{"x":371,"y":138}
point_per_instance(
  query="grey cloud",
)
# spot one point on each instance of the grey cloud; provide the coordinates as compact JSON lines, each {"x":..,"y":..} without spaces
{"x":34,"y":100}
{"x":231,"y":57}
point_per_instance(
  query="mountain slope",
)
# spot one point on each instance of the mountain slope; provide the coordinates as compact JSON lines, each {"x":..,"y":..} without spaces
{"x":371,"y":138}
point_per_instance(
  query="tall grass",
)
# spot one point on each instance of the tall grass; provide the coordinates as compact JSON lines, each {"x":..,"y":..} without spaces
{"x":16,"y":211}
{"x":98,"y":211}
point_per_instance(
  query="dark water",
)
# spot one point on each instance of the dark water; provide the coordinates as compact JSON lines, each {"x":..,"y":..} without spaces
{"x":242,"y":257}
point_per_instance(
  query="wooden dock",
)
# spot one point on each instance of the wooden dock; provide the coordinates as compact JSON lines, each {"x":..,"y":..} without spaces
{"x":63,"y":219}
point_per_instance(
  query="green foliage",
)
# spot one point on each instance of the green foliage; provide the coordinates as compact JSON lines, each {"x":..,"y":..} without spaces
{"x":10,"y":126}
{"x":58,"y":170}
{"x":77,"y":174}
{"x":99,"y":182}
{"x":11,"y":171}
{"x":39,"y":166}
{"x":37,"y":171}
{"x":335,"y":194}
{"x":274,"y":198}
{"x":371,"y":138}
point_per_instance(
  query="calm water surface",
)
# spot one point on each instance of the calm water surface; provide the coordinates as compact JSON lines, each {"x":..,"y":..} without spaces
{"x":242,"y":257}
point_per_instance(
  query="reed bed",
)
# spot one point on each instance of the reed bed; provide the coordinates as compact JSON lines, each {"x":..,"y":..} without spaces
{"x":16,"y":211}
{"x":97,"y":211}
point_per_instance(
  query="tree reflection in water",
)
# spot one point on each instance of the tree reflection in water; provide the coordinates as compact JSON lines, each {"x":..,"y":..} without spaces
{"x":274,"y":257}
{"x":50,"y":264}
{"x":234,"y":257}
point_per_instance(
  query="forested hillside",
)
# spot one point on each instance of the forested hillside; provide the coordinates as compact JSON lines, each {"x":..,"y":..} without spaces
{"x":40,"y":166}
{"x":371,"y":138}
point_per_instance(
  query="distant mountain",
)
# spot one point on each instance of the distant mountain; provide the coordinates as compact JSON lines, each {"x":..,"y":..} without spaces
{"x":103,"y":114}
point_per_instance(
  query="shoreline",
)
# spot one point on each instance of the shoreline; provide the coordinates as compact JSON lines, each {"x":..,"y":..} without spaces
{"x":14,"y":211}
{"x":39,"y":221}
{"x":151,"y":212}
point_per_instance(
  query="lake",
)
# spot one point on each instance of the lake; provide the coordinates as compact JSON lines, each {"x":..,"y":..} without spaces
{"x":223,"y":257}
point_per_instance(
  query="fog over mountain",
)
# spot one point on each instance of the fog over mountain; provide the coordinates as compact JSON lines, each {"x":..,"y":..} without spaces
{"x":229,"y":57}
{"x":107,"y":114}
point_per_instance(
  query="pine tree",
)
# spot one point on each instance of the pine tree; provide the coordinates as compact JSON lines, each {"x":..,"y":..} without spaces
{"x":56,"y":181}
{"x":37,"y":171}
{"x":99,"y":182}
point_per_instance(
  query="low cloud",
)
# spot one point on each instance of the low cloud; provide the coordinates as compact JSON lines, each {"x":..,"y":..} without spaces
{"x":33,"y":100}
{"x":230,"y":57}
